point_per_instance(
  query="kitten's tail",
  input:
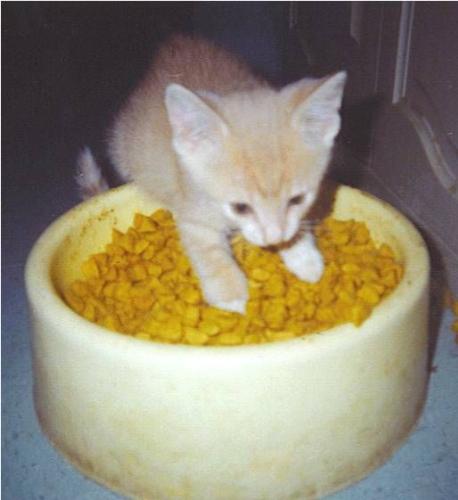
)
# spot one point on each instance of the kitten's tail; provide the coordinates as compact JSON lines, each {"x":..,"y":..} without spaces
{"x":88,"y":175}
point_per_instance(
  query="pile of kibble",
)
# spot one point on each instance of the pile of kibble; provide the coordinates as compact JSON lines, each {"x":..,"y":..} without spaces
{"x":143,"y":285}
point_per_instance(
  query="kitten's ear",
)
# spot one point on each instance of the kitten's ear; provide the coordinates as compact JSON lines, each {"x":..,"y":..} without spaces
{"x":197,"y":129}
{"x":316,"y":113}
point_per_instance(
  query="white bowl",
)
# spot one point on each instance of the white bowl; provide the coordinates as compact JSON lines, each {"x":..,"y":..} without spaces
{"x":293,"y":419}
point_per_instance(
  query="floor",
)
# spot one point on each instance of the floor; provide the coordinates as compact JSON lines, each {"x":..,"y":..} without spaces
{"x":39,"y":147}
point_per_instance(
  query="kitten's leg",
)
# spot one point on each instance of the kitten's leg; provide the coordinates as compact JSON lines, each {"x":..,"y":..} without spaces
{"x":223,"y":283}
{"x":304,"y":259}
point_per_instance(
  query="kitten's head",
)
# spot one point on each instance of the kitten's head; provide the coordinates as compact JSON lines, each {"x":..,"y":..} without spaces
{"x":260,"y":154}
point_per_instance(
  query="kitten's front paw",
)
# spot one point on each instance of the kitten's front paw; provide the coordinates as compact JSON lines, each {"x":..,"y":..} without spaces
{"x":304,"y":260}
{"x":237,"y":306}
{"x":228,"y":290}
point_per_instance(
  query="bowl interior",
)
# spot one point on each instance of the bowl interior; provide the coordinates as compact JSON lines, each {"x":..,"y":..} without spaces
{"x":87,"y":229}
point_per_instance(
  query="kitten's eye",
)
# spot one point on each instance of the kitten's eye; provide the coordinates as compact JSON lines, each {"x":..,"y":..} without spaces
{"x":296,"y":200}
{"x":241,"y":208}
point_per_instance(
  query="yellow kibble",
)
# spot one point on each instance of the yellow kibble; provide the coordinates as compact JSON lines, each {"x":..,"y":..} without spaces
{"x":109,"y":289}
{"x":209,"y":328}
{"x":96,"y":286}
{"x":152,"y":326}
{"x":143,"y":285}
{"x":149,"y":253}
{"x":142,"y":336}
{"x":111,"y":274}
{"x":227,"y":322}
{"x":274,"y":287}
{"x":309,"y":310}
{"x":386,"y":251}
{"x":389,"y":279}
{"x":161,"y":216}
{"x":253,"y":308}
{"x":121,"y":290}
{"x":296,"y":327}
{"x":101,"y":259}
{"x":194,"y":337}
{"x":75,"y":302}
{"x":369,"y":294}
{"x":378,"y":287}
{"x":153,"y":269}
{"x":327,"y":296}
{"x":361,"y":234}
{"x":144,"y":224}
{"x":137,"y":272}
{"x":455,"y":307}
{"x":293,"y":297}
{"x":191,"y":315}
{"x":350,"y":268}
{"x":111,"y":322}
{"x":166,"y":264}
{"x":190,"y":295}
{"x":112,"y":249}
{"x":165,"y":300}
{"x":119,"y":261}
{"x":274,"y":314}
{"x":346,"y":297}
{"x":171,"y":331}
{"x":79,"y":288}
{"x":279,"y":334}
{"x":182,"y":265}
{"x":100,"y":307}
{"x":358,"y":313}
{"x":325,"y":314}
{"x":230,"y":339}
{"x":140,"y":246}
{"x":369,"y":275}
{"x":399,"y":271}
{"x":159,"y":313}
{"x":90,"y":269}
{"x":89,"y":311}
{"x":252,"y":338}
{"x":341,"y":238}
{"x":125,"y":241}
{"x":259,"y":274}
{"x":143,"y":303}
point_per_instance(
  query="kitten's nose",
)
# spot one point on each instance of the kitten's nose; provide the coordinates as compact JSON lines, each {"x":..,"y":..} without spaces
{"x":274,"y":235}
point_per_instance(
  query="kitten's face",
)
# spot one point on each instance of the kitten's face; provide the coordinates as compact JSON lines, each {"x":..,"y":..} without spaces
{"x":266,"y":194}
{"x":268,"y":219}
{"x":260,"y":155}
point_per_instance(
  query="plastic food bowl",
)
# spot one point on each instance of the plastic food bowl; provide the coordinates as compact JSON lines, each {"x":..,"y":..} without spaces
{"x":293,"y":419}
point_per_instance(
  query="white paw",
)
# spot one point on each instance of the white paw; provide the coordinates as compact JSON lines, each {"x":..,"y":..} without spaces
{"x":228,"y":290}
{"x":304,"y":260}
{"x":237,"y":306}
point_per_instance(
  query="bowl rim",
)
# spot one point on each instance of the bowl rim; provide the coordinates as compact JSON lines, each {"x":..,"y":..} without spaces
{"x":44,"y":298}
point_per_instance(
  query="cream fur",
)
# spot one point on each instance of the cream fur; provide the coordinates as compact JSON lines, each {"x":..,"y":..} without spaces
{"x":201,"y":132}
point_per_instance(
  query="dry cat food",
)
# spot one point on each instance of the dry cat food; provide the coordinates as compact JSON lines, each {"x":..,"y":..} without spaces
{"x":143,"y":285}
{"x":451,"y":303}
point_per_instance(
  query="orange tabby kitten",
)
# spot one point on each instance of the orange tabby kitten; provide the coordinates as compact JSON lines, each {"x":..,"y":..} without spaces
{"x":225,"y":151}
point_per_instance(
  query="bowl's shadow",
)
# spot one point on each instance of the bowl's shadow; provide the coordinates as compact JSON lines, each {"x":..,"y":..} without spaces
{"x":438,"y":284}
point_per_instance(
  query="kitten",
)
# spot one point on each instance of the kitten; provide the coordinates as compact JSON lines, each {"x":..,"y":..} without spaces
{"x":225,"y":151}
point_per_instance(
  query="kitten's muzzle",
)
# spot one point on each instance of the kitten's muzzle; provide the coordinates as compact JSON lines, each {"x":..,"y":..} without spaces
{"x":273,"y":235}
